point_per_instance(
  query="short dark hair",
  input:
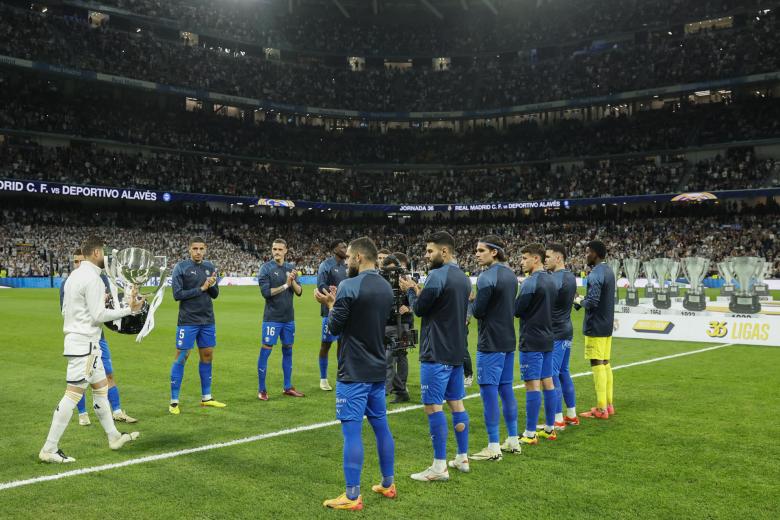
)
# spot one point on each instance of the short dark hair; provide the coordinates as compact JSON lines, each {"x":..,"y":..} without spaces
{"x":535,"y":249}
{"x":557,"y":248}
{"x":77,"y":252}
{"x":91,"y":243}
{"x":280,"y":241}
{"x":401,"y":258}
{"x":598,"y":247}
{"x":383,"y":251}
{"x":365,"y":246}
{"x":441,"y":238}
{"x":391,"y":260}
{"x":197,"y":240}
{"x":335,"y":243}
{"x":497,"y":244}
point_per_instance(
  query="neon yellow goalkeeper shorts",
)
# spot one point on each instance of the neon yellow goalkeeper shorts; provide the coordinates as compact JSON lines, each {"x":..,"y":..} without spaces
{"x":598,"y":347}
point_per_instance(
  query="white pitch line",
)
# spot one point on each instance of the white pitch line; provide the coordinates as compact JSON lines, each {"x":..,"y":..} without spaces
{"x":316,"y":426}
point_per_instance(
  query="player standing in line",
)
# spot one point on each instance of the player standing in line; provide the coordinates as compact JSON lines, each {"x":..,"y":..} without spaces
{"x":194,"y":283}
{"x":278,"y":282}
{"x":358,"y":311}
{"x":442,"y":305}
{"x":332,"y":271}
{"x":494,"y":307}
{"x":534,"y":308}
{"x":597,"y":326}
{"x":563,"y":333}
{"x":105,"y":356}
{"x":84,"y":312}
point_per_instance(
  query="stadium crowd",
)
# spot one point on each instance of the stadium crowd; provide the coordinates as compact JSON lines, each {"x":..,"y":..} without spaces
{"x":94,"y":166}
{"x":519,"y":24}
{"x":30,"y":237}
{"x":35,"y":105}
{"x":661,"y":59}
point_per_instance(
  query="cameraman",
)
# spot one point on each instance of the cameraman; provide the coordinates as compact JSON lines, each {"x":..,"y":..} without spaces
{"x":397,"y":360}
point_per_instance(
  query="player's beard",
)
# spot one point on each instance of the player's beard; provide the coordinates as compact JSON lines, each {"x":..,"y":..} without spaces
{"x":435,"y":263}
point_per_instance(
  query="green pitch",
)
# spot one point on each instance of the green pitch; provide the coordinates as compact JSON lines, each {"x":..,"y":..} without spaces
{"x":695,"y":436}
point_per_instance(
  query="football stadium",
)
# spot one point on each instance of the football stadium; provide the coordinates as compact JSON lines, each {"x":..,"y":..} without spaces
{"x":430,"y":258}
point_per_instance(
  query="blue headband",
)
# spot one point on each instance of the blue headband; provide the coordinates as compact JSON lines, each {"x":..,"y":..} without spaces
{"x":494,"y":246}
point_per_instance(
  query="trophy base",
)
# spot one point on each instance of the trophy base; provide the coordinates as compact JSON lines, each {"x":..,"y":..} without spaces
{"x":761,"y":290}
{"x":745,"y":304}
{"x":695,"y":302}
{"x":632,"y":298}
{"x":662,"y":300}
{"x":727,"y":290}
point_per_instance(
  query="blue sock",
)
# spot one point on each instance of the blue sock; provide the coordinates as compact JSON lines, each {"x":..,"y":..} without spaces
{"x":287,"y":366}
{"x":385,"y":447}
{"x":177,"y":375}
{"x":262,"y":368}
{"x":509,"y":404}
{"x":323,"y":368}
{"x":205,"y":378}
{"x":567,"y":388}
{"x":550,"y":405}
{"x":533,"y":402}
{"x":460,"y":421}
{"x":490,"y":399}
{"x":437,"y":425}
{"x":353,"y":456}
{"x":113,"y":398}
{"x":558,"y":395}
{"x":82,"y":404}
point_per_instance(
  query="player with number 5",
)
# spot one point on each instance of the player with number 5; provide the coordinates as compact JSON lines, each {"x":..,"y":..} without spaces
{"x":278,"y":282}
{"x":194,"y":284}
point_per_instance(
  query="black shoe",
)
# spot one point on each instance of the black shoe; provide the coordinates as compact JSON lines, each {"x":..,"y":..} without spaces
{"x":400,"y":399}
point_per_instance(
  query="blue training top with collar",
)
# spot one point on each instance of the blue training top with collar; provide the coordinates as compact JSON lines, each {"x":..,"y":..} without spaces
{"x":195,"y":306}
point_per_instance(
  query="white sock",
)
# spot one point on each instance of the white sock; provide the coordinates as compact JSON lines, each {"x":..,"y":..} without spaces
{"x":559,"y":417}
{"x":206,"y":397}
{"x":439,"y":465}
{"x":461,"y":457}
{"x":83,"y":414}
{"x":513,"y":438}
{"x":571,"y":413}
{"x":60,"y":420}
{"x":528,"y":434}
{"x":103,"y":412}
{"x":117,"y":411}
{"x":174,"y":401}
{"x":494,"y":446}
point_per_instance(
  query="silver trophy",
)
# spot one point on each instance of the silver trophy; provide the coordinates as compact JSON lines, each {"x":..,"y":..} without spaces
{"x":727,"y":274}
{"x":763,"y":271}
{"x":631,"y":267}
{"x":136,"y":270}
{"x":695,"y":268}
{"x":614,"y":264}
{"x":674,"y":271}
{"x":650,"y":275}
{"x":745,"y":300}
{"x":662,"y":267}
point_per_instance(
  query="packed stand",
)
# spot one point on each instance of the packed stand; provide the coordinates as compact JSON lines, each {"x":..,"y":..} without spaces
{"x":238,"y":243}
{"x":34,"y":105}
{"x":518,"y":24}
{"x":485,"y":83}
{"x":89,"y":165}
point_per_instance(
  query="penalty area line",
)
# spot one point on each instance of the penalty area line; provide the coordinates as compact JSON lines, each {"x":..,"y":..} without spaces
{"x":288,"y":431}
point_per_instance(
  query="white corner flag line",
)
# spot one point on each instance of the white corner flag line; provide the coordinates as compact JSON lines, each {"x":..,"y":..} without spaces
{"x":316,"y":426}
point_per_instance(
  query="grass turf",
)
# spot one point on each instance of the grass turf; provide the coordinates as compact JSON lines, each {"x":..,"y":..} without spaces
{"x":691,"y":438}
